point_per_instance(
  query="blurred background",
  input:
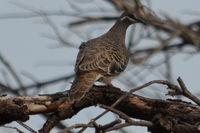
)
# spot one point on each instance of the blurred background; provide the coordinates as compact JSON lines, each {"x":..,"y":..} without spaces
{"x":39,"y":42}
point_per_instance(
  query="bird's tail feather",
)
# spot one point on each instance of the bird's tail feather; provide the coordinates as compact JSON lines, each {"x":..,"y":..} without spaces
{"x":82,"y":84}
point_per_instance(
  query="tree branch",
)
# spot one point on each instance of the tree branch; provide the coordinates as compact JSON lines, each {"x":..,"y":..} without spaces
{"x":166,"y":115}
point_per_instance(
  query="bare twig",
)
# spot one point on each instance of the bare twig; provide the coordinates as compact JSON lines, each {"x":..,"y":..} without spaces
{"x":56,"y":31}
{"x":5,"y":88}
{"x":23,"y":15}
{"x":117,"y":127}
{"x":48,"y":82}
{"x":19,"y":131}
{"x":92,"y":125}
{"x":92,"y":19}
{"x":13,"y":72}
{"x":126,"y":117}
{"x":27,"y":127}
{"x":75,"y":126}
{"x":187,"y":93}
{"x":111,"y":124}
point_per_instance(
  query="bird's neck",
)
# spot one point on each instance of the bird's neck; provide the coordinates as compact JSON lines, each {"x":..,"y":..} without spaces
{"x":118,"y":30}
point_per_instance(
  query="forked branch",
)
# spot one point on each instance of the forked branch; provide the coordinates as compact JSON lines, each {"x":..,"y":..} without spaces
{"x":158,"y":115}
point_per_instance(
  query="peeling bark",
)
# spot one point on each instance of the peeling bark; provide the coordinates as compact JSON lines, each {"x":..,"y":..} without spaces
{"x":167,"y":115}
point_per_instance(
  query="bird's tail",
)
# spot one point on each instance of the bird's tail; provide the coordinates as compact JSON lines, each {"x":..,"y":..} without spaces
{"x":82,"y":84}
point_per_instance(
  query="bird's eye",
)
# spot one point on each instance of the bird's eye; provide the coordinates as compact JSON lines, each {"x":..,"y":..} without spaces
{"x":127,"y":17}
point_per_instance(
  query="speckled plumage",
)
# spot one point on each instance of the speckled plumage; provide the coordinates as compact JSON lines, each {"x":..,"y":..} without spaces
{"x":101,"y":59}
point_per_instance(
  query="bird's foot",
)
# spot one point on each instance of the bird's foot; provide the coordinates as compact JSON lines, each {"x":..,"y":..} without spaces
{"x":112,"y":86}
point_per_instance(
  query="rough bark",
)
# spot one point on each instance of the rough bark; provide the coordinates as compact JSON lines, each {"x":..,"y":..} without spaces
{"x":166,"y":115}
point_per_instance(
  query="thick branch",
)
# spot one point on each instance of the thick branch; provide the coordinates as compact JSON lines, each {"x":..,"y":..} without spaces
{"x":168,"y":115}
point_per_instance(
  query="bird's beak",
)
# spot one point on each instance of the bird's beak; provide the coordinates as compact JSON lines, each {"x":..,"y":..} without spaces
{"x":135,"y":18}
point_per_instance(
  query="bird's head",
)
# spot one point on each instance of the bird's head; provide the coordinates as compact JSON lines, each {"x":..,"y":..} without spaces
{"x":131,"y":18}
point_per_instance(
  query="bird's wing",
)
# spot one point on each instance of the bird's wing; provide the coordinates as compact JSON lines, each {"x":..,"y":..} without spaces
{"x":80,"y":56}
{"x":106,"y":58}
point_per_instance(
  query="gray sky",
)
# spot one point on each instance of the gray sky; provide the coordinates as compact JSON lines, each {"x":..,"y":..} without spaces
{"x":23,"y":44}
